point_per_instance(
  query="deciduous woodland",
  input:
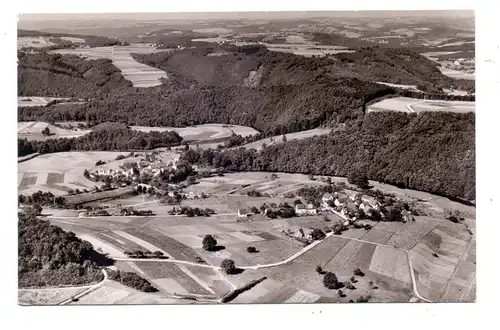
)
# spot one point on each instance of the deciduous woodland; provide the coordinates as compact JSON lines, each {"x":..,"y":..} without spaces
{"x":275,"y":93}
{"x":49,"y":256}
{"x":432,"y":152}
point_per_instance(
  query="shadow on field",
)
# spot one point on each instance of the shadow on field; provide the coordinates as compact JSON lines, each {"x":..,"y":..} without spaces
{"x":100,"y":259}
{"x":237,"y":271}
{"x":218,"y":248}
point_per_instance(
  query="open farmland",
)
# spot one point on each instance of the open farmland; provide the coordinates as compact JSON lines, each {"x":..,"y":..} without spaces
{"x":59,"y":172}
{"x":391,"y":254}
{"x":139,"y":74}
{"x":289,"y":137}
{"x":115,"y":293}
{"x":405,"y":104}
{"x":33,"y":131}
{"x":36,"y":101}
{"x":205,"y":132}
{"x":47,"y":296}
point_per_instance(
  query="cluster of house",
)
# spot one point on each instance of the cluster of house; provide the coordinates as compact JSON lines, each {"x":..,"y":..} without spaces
{"x":189,"y":195}
{"x":132,"y":169}
{"x":348,"y":205}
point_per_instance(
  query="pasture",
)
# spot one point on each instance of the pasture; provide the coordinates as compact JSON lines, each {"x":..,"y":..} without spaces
{"x":37,"y":42}
{"x":291,"y":136}
{"x":59,"y":172}
{"x":390,"y":254}
{"x":205,"y":132}
{"x":32,"y":130}
{"x":139,"y":74}
{"x":409,"y":105}
{"x":36,"y":101}
{"x":46,"y":297}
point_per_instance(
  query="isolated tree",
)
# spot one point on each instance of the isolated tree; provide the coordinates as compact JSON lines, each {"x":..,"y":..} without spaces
{"x":330,"y":281}
{"x":348,"y":285}
{"x":319,"y":269}
{"x":340,"y":293}
{"x":284,"y":138}
{"x":317,"y":234}
{"x":251,"y":249}
{"x":394,"y":214}
{"x":359,"y":178}
{"x":358,"y":272}
{"x":209,"y":243}
{"x":375,"y":215}
{"x":46,"y":131}
{"x":364,"y":299}
{"x":228,"y":266}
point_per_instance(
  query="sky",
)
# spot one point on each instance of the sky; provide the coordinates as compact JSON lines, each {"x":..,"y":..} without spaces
{"x":240,"y":15}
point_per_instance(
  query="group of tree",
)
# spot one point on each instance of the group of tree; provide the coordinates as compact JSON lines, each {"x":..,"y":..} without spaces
{"x":103,"y":137}
{"x":50,"y":256}
{"x":132,"y":280}
{"x":138,"y":254}
{"x":130,"y":211}
{"x":191,"y":211}
{"x":42,"y":198}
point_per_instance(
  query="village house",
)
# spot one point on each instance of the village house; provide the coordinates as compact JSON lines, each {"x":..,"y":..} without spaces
{"x":407,"y":216}
{"x":301,"y":209}
{"x":327,"y":197}
{"x":371,"y":201}
{"x":244,"y":213}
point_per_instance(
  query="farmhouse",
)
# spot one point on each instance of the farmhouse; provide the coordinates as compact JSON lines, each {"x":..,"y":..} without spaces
{"x":407,"y":216}
{"x":244,"y":213}
{"x":301,"y":209}
{"x":371,"y":202}
{"x":327,"y":197}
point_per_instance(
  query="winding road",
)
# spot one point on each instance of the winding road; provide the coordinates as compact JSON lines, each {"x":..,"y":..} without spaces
{"x":90,"y":289}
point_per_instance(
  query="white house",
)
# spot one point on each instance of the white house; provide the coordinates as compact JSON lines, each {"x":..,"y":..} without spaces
{"x":366,"y":207}
{"x":244,"y":213}
{"x":301,"y":209}
{"x":407,"y":216}
{"x":371,"y":201}
{"x":327,"y":197}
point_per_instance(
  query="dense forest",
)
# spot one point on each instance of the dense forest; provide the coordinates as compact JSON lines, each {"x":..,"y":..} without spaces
{"x":103,"y":137}
{"x":432,"y":152}
{"x":289,"y":93}
{"x":90,"y":40}
{"x":196,"y":66}
{"x":66,"y":76}
{"x":49,"y":256}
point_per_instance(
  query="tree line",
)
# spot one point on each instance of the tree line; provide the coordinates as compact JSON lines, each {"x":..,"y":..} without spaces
{"x":104,"y":137}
